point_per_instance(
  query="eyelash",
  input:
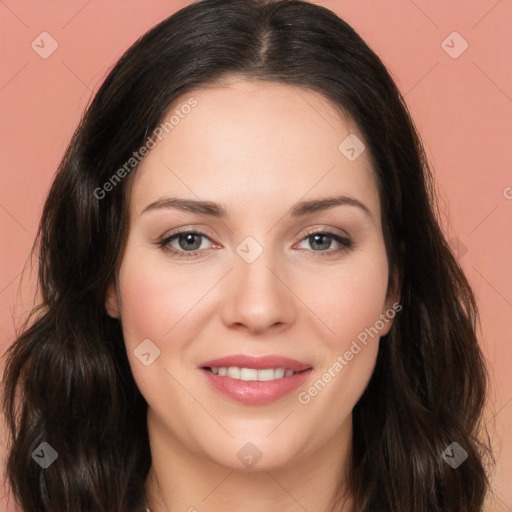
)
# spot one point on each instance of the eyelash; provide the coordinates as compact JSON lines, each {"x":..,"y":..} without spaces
{"x":345,"y":242}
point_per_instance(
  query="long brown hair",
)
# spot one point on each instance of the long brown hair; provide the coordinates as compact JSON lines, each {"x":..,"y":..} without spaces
{"x":67,"y":380}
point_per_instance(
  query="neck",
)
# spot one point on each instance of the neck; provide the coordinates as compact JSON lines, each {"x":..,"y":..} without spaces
{"x":180,"y":479}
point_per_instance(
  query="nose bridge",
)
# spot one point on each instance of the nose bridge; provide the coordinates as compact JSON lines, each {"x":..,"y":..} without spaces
{"x":257,"y":297}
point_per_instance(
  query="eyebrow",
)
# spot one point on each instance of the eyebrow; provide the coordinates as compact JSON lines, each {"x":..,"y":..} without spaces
{"x":213,"y":209}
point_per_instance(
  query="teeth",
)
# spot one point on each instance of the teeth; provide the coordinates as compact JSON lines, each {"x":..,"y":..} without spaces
{"x":251,"y":374}
{"x":278,"y":373}
{"x":247,"y":374}
{"x":234,"y":372}
{"x":267,"y":374}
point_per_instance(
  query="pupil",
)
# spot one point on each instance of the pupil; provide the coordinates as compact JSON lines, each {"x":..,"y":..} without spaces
{"x":325,"y":245}
{"x":188,"y":237}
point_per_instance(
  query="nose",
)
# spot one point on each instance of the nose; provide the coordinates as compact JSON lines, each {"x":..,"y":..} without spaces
{"x":258,"y":297}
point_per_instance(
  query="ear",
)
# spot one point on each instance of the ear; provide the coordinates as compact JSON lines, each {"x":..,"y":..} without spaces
{"x":392,"y":304}
{"x":111,"y":302}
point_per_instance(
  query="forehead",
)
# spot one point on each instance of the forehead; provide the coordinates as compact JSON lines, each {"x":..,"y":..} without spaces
{"x":256,"y":142}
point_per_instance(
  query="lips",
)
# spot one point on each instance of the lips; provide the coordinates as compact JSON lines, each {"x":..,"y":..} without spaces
{"x":258,"y":363}
{"x":257,"y":392}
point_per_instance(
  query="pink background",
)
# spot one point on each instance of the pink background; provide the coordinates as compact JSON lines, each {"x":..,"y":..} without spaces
{"x":462,"y":107}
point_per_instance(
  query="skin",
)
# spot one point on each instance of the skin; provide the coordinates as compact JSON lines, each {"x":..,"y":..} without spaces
{"x":258,"y":148}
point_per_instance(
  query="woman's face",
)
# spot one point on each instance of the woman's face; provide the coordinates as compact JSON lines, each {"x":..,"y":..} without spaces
{"x":258,"y":282}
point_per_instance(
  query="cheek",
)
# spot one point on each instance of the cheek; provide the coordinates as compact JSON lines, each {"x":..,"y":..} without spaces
{"x":156,"y":304}
{"x":356,"y":301}
{"x":154,"y":297}
{"x":357,"y":297}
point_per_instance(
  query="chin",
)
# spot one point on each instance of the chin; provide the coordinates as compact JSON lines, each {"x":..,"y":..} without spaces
{"x":252,"y":457}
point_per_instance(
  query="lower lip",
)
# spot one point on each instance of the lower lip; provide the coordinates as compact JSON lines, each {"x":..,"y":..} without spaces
{"x":256,"y":392}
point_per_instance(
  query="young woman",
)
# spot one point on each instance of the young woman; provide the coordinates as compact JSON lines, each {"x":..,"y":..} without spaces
{"x":247,"y":301}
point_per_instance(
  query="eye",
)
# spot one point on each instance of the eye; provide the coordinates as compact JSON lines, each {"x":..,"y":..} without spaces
{"x":189,"y":243}
{"x":323,"y":240}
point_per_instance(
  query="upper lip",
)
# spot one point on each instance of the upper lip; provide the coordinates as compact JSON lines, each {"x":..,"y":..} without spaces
{"x":256,"y":362}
